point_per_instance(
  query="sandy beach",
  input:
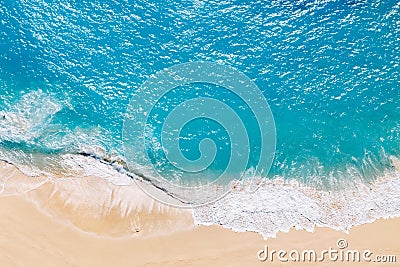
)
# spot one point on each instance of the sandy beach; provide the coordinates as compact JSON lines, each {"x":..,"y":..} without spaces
{"x":29,"y":237}
{"x":56,"y":224}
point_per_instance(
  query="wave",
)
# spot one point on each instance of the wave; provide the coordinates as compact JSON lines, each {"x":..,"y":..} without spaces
{"x":278,"y":204}
{"x":25,"y":120}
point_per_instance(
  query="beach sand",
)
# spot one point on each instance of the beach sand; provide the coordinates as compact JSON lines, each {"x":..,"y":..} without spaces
{"x":46,"y":223}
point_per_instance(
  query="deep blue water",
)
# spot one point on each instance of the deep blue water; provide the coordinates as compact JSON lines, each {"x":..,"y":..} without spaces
{"x":328,"y":69}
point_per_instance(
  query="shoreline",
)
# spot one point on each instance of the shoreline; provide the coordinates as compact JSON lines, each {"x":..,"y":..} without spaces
{"x":60,"y":218}
{"x":97,"y":191}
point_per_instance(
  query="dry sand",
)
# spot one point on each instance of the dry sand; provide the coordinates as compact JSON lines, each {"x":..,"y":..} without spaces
{"x":44,"y":226}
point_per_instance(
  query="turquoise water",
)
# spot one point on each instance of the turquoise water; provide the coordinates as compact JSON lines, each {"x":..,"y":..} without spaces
{"x":328,"y":69}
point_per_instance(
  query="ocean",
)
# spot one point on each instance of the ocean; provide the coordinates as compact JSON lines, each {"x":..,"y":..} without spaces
{"x":328,"y":70}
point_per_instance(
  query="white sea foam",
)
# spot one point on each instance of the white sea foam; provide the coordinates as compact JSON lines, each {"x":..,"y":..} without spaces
{"x":277,"y":206}
{"x":88,"y":166}
{"x":27,"y":118}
